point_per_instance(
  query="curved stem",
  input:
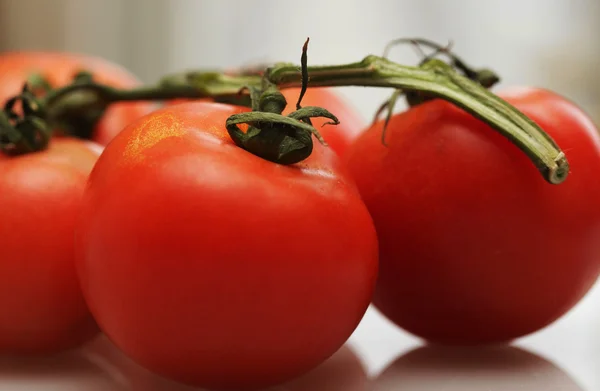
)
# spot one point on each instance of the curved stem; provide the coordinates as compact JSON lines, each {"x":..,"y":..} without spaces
{"x":433,"y":77}
{"x":439,"y":79}
{"x":486,"y":77}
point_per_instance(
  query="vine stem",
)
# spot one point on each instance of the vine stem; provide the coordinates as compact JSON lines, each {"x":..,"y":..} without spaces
{"x":439,"y":79}
{"x":433,"y":77}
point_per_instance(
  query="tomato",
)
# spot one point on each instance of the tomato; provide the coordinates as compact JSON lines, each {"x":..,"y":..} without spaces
{"x":496,"y":368}
{"x":213,"y":267}
{"x":59,"y":69}
{"x":339,"y":137}
{"x":475,"y":247}
{"x":41,"y":305}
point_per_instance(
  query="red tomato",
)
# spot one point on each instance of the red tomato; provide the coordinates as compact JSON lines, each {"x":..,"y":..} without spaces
{"x":214,"y":267}
{"x":41,"y":305}
{"x":475,"y":247}
{"x":339,"y":137}
{"x":59,"y":69}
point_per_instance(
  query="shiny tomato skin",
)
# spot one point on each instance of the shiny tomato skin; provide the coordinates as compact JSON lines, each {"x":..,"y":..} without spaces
{"x":59,"y":68}
{"x":339,"y":137}
{"x":475,"y":247}
{"x":42,"y":309}
{"x":216,"y":268}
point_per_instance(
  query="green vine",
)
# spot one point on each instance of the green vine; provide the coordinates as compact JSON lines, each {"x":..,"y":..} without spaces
{"x":287,"y":139}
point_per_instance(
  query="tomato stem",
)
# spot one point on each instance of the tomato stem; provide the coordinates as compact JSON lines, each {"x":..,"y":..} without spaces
{"x":23,"y":133}
{"x":439,"y":79}
{"x":484,"y":76}
{"x":271,"y":135}
{"x":86,"y":100}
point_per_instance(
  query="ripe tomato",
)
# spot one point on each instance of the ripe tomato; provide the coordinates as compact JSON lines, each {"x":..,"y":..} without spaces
{"x":475,"y":247}
{"x":59,"y":69}
{"x":214,"y":267}
{"x":41,"y":305}
{"x":338,"y":137}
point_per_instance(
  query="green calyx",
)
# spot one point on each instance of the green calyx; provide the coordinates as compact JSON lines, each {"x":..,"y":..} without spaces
{"x":25,"y":133}
{"x":271,"y":135}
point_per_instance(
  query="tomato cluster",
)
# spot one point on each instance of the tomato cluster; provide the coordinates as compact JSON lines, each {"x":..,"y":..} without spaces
{"x":41,"y":305}
{"x":211,"y":266}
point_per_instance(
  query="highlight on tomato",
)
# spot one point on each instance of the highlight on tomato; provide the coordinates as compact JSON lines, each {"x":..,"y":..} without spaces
{"x":475,"y":247}
{"x":46,"y":70}
{"x":214,"y":267}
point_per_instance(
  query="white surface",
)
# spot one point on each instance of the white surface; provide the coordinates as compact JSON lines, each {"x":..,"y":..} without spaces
{"x":563,"y":357}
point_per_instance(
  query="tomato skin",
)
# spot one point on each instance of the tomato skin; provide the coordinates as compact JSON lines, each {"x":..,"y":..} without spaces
{"x":475,"y":247}
{"x":339,"y":137}
{"x":213,"y":267}
{"x":42,"y":309}
{"x":59,"y":68}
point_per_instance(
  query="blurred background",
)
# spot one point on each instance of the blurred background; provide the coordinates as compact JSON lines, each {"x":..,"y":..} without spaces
{"x":550,"y":43}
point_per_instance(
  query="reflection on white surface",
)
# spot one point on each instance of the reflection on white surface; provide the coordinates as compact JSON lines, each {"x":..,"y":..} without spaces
{"x":503,"y":368}
{"x":70,"y":371}
{"x":379,"y":357}
{"x":342,"y":372}
{"x":572,"y":344}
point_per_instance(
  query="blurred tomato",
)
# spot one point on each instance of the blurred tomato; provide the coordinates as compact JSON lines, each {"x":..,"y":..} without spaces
{"x":41,"y":305}
{"x":59,"y":69}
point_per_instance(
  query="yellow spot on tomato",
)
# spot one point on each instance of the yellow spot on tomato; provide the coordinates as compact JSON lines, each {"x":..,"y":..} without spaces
{"x":155,"y":129}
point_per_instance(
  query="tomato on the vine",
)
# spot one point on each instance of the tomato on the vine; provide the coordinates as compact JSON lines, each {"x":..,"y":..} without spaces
{"x":475,"y":247}
{"x":214,"y":267}
{"x":59,"y":69}
{"x":42,"y":309}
